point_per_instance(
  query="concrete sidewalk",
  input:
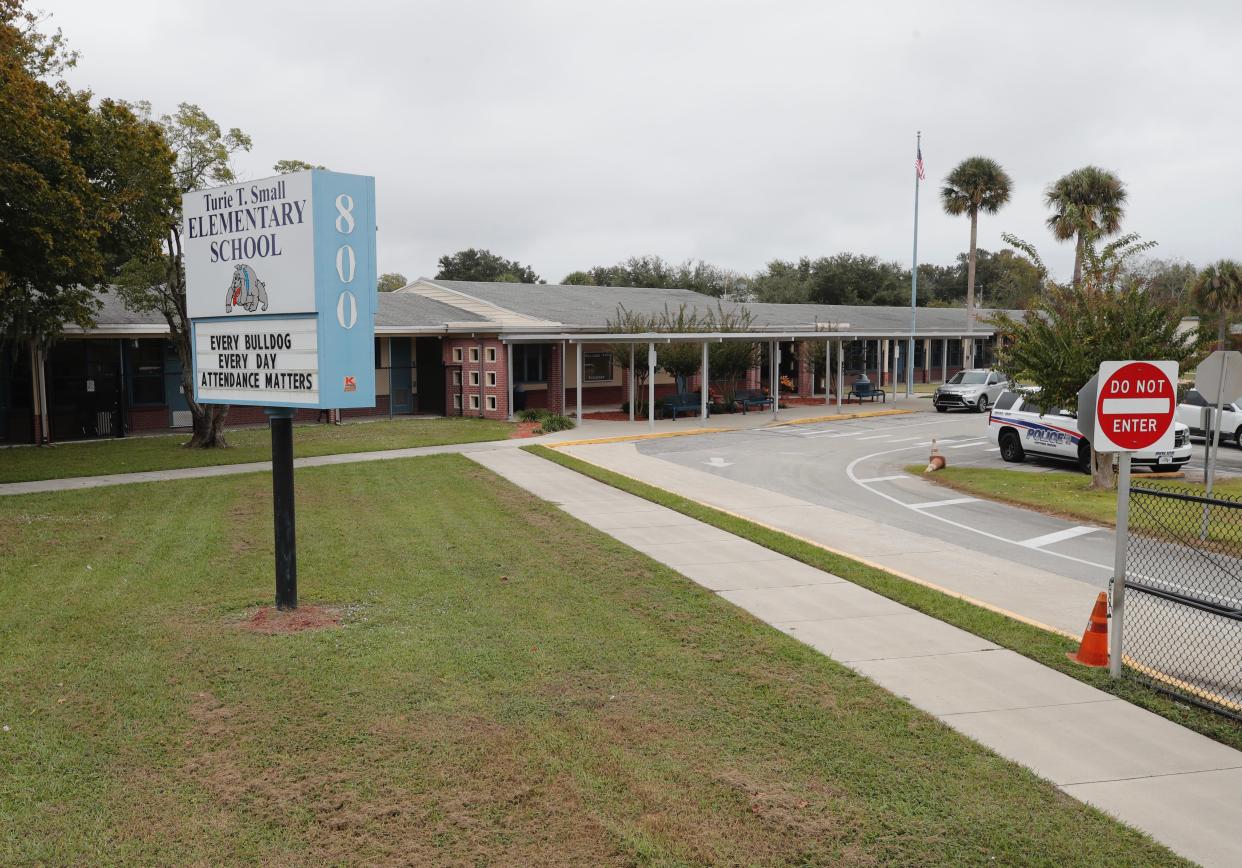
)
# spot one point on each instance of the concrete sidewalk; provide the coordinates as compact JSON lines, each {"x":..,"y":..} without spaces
{"x":1182,"y":788}
{"x":1028,"y":593}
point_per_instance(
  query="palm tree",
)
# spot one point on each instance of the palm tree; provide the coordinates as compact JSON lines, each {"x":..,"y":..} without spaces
{"x":1087,"y":201}
{"x":1219,"y":288}
{"x":976,"y":184}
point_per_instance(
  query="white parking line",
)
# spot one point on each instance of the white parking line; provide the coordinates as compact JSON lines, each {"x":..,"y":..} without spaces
{"x":968,"y":445}
{"x":877,"y":437}
{"x":1056,"y":537}
{"x":934,"y":503}
{"x":994,"y":449}
{"x":884,"y":478}
{"x":905,"y":440}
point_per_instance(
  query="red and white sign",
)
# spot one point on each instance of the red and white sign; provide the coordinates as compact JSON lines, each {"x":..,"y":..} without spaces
{"x":1134,"y":406}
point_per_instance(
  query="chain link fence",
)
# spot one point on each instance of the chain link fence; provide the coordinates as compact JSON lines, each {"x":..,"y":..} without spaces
{"x":1183,"y":603}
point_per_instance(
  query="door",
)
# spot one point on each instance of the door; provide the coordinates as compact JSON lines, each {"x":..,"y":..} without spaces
{"x":429,"y":371}
{"x":399,"y":375}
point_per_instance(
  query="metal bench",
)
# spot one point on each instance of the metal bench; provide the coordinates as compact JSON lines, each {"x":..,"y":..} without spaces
{"x":684,"y":402}
{"x":747,"y":398}
{"x":867,"y":391}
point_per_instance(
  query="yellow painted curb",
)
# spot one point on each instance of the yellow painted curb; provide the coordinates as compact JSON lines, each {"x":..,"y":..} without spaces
{"x":864,"y":414}
{"x":625,"y":438}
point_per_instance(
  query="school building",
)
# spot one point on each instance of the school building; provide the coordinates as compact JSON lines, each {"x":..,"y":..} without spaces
{"x":446,"y":347}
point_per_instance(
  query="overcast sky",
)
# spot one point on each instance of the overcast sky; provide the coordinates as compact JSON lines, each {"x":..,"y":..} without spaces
{"x":571,"y":134}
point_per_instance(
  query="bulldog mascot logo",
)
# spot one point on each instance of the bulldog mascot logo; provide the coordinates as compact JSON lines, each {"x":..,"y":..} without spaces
{"x":245,"y":291}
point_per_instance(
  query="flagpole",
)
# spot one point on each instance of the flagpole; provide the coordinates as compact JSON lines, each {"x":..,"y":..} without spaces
{"x":914,"y":272}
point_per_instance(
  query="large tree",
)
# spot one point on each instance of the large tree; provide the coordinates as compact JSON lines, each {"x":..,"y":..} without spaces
{"x":1217,"y":289}
{"x":157,"y":282}
{"x":1086,"y":204}
{"x":845,"y":278}
{"x":288,"y":167}
{"x":391,"y":280}
{"x":472,"y":264}
{"x":81,"y":184}
{"x":653,"y":271}
{"x":1059,"y":343}
{"x":976,"y":184}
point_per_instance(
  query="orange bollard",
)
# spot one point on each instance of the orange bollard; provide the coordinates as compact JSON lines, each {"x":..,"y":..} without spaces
{"x":1094,"y":648}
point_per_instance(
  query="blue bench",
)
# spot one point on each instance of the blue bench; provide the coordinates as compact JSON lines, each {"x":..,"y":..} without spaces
{"x":684,"y":402}
{"x":868,"y":391}
{"x":747,"y":398}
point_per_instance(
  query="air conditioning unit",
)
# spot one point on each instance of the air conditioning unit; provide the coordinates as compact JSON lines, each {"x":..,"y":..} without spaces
{"x":182,"y":418}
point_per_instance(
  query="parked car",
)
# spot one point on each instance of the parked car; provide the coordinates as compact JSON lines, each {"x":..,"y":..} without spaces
{"x":975,"y":389}
{"x":1019,"y":429}
{"x":1190,"y":413}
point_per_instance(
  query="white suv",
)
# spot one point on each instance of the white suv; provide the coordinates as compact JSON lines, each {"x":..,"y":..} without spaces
{"x":1020,"y":430}
{"x":975,"y":389}
{"x":1190,"y":413}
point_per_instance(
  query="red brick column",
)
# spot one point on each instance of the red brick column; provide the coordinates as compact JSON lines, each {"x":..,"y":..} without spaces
{"x":556,"y":380}
{"x":805,"y":368}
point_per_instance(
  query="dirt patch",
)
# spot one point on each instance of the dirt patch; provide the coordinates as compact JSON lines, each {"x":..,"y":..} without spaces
{"x":524,"y":429}
{"x":610,"y":416}
{"x":270,"y":620}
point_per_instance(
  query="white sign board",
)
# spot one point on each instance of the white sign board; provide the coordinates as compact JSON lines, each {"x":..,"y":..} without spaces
{"x":281,"y":290}
{"x":1134,"y":406}
{"x":238,"y":361}
{"x":254,"y":244}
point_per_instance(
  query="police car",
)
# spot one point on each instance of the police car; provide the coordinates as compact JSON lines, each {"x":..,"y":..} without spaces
{"x":1019,"y":429}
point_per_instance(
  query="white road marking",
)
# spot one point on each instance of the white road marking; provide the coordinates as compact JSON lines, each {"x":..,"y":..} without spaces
{"x":717,"y":461}
{"x":883,"y":478}
{"x":934,"y":503}
{"x":968,"y":445}
{"x":877,"y":437}
{"x":1057,"y":536}
{"x":994,"y":449}
{"x":905,"y":440}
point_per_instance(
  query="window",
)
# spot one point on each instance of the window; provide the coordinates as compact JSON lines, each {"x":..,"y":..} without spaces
{"x":378,"y":355}
{"x":530,"y":363}
{"x":1006,"y":400}
{"x":474,"y":402}
{"x":474,"y":354}
{"x":1194,"y":399}
{"x":491,"y":354}
{"x":491,"y":379}
{"x":596,"y":366}
{"x":457,"y":354}
{"x":491,"y":402}
{"x":456,"y":378}
{"x":147,"y":373}
{"x":474,"y":378}
{"x":457,"y":402}
{"x":993,"y":379}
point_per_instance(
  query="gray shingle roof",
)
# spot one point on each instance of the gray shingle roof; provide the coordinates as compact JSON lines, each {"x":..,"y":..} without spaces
{"x":409,"y":310}
{"x":590,"y":308}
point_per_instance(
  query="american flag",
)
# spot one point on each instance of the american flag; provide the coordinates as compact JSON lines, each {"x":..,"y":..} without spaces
{"x":918,"y":164}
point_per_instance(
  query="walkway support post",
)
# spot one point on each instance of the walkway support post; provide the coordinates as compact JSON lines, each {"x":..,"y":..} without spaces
{"x":703,"y":384}
{"x":827,"y":372}
{"x":508,"y":377}
{"x":563,"y":378}
{"x":651,"y":365}
{"x":282,"y":508}
{"x":633,"y":380}
{"x":579,"y":379}
{"x":840,"y":371}
{"x":944,"y":362}
{"x":774,"y":376}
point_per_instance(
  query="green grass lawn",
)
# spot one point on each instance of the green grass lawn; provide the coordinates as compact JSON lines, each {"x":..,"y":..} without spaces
{"x":245,"y":444}
{"x":1068,"y":495}
{"x":508,"y":686}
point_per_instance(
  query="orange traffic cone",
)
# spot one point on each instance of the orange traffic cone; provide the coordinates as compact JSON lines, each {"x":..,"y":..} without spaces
{"x":1094,"y":648}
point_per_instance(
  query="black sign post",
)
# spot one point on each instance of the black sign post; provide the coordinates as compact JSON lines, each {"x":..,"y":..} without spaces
{"x":281,"y":421}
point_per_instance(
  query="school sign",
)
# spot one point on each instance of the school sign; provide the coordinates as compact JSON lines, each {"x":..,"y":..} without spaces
{"x":281,"y":290}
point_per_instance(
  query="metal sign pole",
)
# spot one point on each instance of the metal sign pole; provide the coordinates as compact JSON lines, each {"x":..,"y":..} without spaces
{"x":1212,"y":447}
{"x":283,"y":508}
{"x":1119,"y":565}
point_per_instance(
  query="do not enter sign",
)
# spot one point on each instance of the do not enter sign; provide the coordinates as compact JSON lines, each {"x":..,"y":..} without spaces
{"x":1134,"y":406}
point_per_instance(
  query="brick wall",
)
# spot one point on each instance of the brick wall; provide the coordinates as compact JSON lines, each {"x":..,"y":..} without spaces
{"x":485,"y":376}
